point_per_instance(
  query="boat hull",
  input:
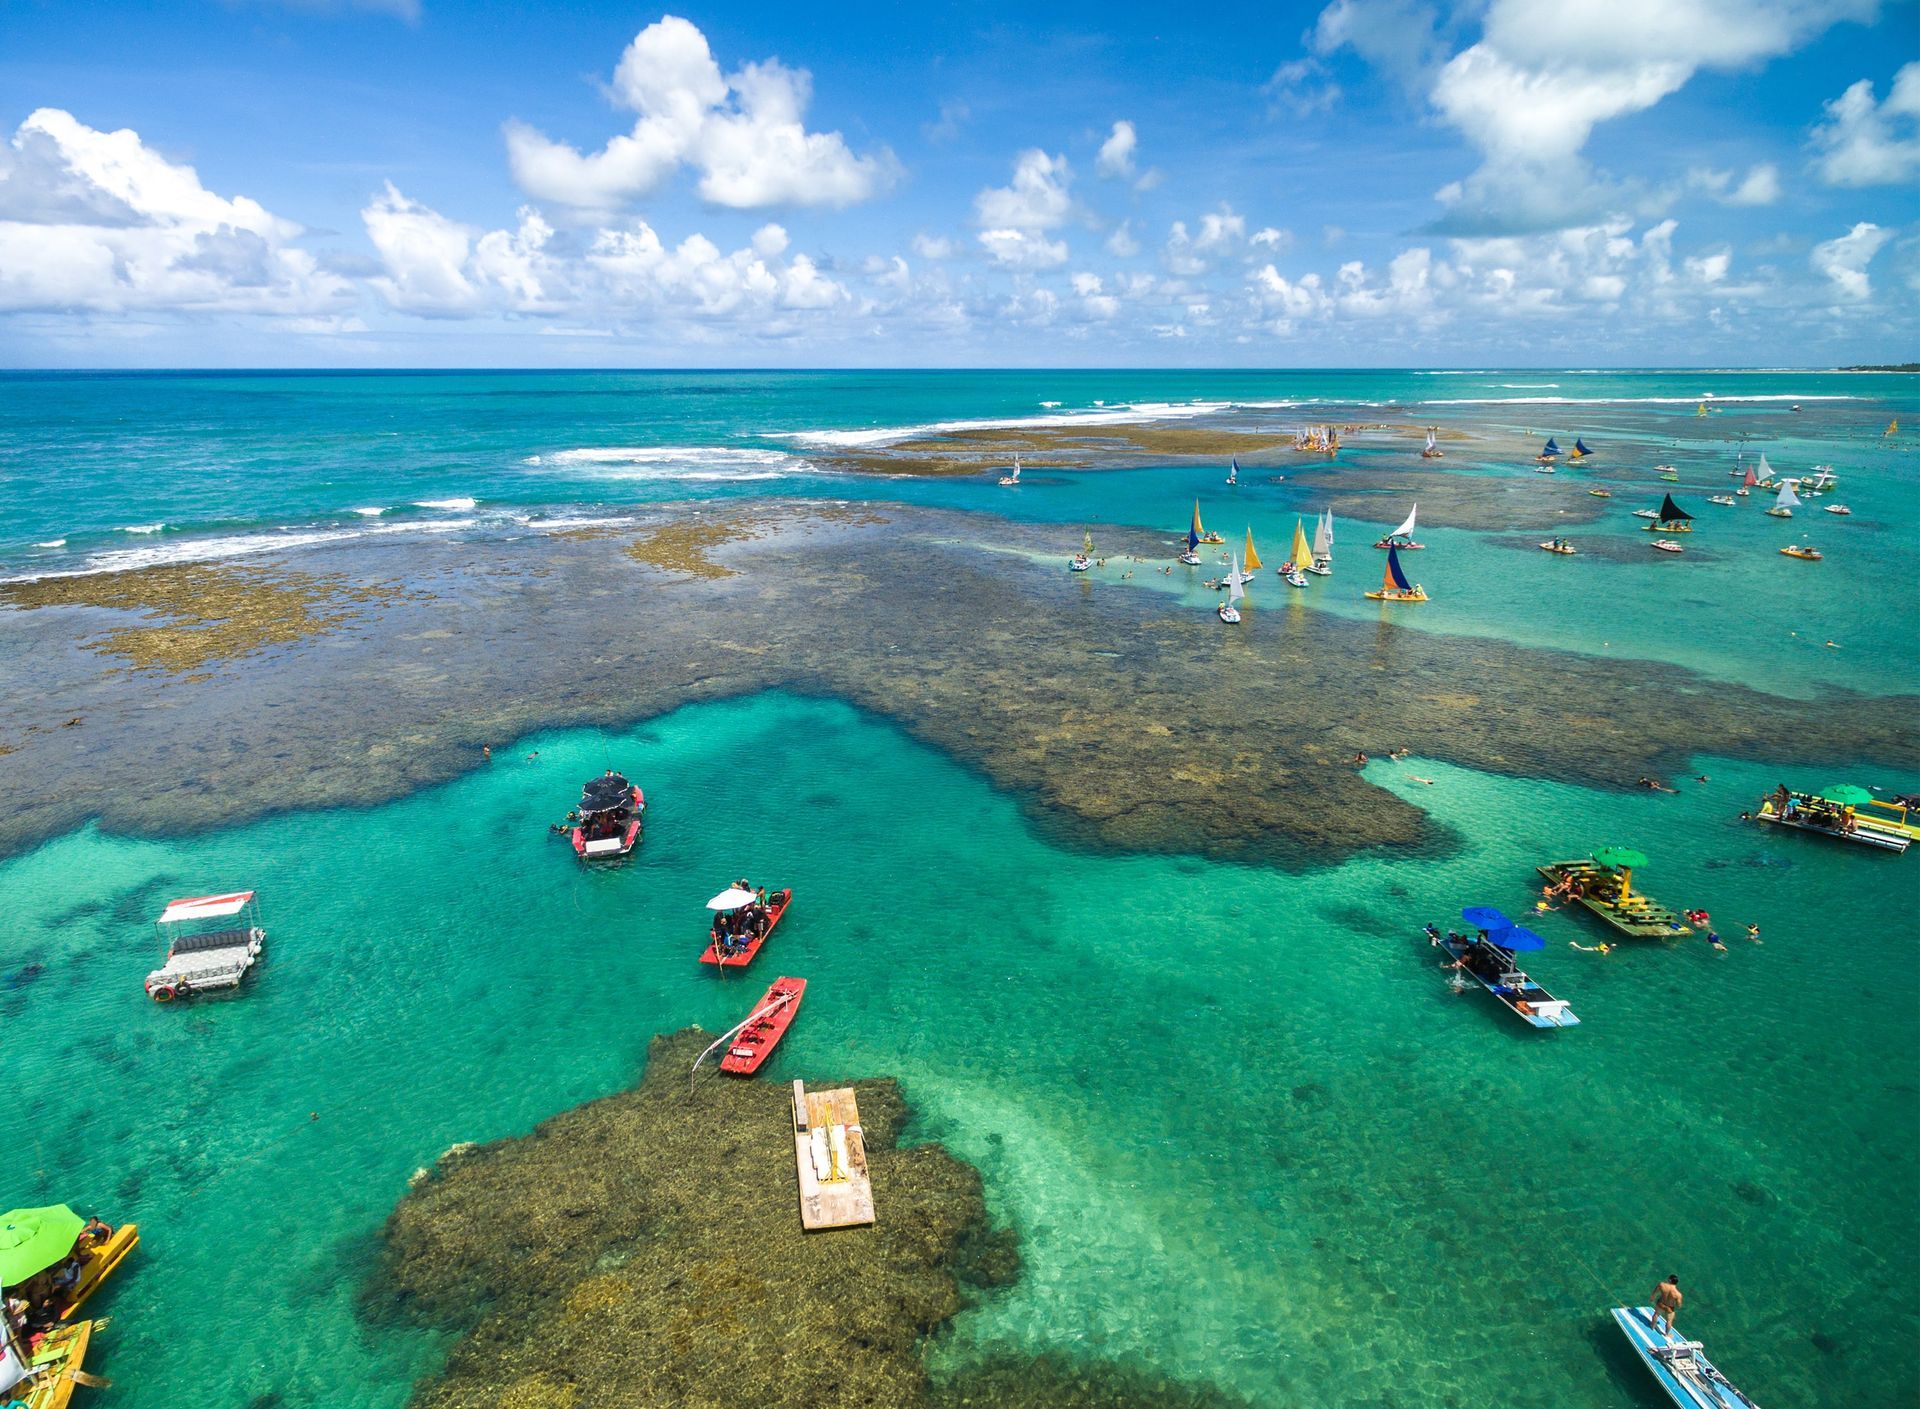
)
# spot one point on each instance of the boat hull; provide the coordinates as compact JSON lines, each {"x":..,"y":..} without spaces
{"x":100,"y":1265}
{"x":777,"y":904}
{"x":1690,"y":1391}
{"x":754,"y":1043}
{"x":1416,"y":595}
{"x":1864,"y":832}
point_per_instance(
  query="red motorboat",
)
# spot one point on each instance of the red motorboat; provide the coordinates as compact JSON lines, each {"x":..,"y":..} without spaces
{"x":610,"y":812}
{"x":771,"y":1018}
{"x":738,"y":952}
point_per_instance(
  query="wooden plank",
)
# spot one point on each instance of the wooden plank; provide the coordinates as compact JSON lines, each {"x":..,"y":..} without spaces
{"x":845,"y":1201}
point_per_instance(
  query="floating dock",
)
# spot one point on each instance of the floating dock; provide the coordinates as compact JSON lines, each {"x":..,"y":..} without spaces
{"x":1637,"y":915}
{"x":830,"y":1154}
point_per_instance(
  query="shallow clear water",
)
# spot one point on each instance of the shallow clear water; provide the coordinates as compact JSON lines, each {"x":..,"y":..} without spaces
{"x":1243,"y":1127}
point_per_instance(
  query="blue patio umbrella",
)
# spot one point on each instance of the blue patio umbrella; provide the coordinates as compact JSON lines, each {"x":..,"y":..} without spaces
{"x":1485,"y":917}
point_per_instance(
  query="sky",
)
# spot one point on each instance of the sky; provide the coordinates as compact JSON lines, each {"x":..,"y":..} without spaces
{"x":400,"y":183}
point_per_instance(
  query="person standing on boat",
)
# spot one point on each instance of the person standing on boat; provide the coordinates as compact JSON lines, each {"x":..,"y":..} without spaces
{"x":1666,"y":1302}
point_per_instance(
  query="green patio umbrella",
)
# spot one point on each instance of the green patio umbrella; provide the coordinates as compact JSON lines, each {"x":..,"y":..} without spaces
{"x":1846,"y":794}
{"x":1620,"y":858}
{"x":33,"y":1239}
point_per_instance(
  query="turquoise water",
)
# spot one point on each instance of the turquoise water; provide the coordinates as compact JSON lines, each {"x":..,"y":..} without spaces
{"x":1243,"y":1127}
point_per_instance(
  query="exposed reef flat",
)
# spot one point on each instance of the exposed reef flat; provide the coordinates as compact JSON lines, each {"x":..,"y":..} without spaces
{"x":1120,"y":720}
{"x":646,"y":1248}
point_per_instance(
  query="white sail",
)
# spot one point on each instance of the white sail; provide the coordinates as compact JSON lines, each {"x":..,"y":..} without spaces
{"x":1763,"y":470}
{"x":1016,"y":467}
{"x":1430,"y":440}
{"x":1234,"y":591}
{"x":1788,"y":499}
{"x":1322,"y":537}
{"x":1406,"y":529}
{"x":1329,"y":530}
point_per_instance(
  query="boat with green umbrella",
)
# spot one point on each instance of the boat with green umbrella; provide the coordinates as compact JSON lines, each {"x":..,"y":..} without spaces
{"x":1843,"y":810}
{"x":1603,"y":884}
{"x":57,"y":1258}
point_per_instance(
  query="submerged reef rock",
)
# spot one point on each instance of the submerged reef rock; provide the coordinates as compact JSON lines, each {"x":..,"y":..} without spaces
{"x":646,"y":1249}
{"x":1105,"y":707}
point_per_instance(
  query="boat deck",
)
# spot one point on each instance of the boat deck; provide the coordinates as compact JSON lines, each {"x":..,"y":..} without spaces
{"x":830,"y":1153}
{"x":64,"y":1350}
{"x":1864,"y":831}
{"x":1641,"y":917}
{"x":1680,"y":1365}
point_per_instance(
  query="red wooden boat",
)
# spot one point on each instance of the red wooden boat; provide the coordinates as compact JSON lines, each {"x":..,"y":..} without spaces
{"x":610,"y":812}
{"x":755,"y":1042}
{"x":777,"y":904}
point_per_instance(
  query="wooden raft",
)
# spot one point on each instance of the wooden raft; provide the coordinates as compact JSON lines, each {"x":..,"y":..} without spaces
{"x":844,"y":1199}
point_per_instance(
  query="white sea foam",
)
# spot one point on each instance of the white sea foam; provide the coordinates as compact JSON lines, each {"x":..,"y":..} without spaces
{"x":1622,"y":400}
{"x":671,"y":462}
{"x":52,"y":543}
{"x":1129,"y":414}
{"x":194,"y":550}
{"x":369,"y":513}
{"x":1050,"y":404}
{"x":1531,"y":386}
{"x":143,"y":528}
{"x":453,"y":505}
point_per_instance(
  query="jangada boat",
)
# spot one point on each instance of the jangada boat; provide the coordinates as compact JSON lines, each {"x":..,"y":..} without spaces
{"x":1083,"y":559}
{"x":1402,"y":537}
{"x":1668,"y":518}
{"x":1487,"y":959}
{"x":1322,"y":564}
{"x":1394,"y":587}
{"x":1785,"y":502}
{"x":1802,"y":550}
{"x":740,"y":952}
{"x":1291,"y":571}
{"x":1432,"y":450}
{"x":1559,"y":545}
{"x":1681,"y":1366}
{"x":41,"y":1373}
{"x":1253,"y":558}
{"x":610,"y":817}
{"x":1229,"y":613}
{"x":1580,"y":450}
{"x":754,"y":1042}
{"x":206,"y":949}
{"x":1548,"y":452}
{"x":1013,"y":477}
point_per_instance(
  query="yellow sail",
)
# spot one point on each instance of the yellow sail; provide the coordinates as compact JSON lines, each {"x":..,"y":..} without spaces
{"x":1198,"y":532}
{"x":1302,"y":553}
{"x":1253,"y":558}
{"x":1892,"y":426}
{"x":1701,"y":409}
{"x":1086,"y":545}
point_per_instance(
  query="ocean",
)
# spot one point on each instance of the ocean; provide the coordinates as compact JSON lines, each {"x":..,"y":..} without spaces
{"x":1246,"y":1132}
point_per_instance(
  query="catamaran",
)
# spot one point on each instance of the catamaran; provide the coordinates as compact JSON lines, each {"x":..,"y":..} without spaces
{"x":1785,"y":502}
{"x":1228,"y":612}
{"x":1290,"y":571}
{"x":1549,"y":451}
{"x":1083,"y":559}
{"x":1394,"y":587}
{"x":1433,"y":450}
{"x":1014,"y":477}
{"x":1322,"y":564}
{"x":1669,"y":518}
{"x":1402,"y":537}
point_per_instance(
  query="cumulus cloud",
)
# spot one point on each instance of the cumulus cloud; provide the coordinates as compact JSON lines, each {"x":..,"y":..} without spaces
{"x":1760,"y":186}
{"x":1844,"y":260}
{"x":1023,"y":249}
{"x":1121,"y":244}
{"x":1116,"y":153}
{"x":744,"y":133}
{"x":1864,"y":143}
{"x":1188,"y":254}
{"x":1036,"y":198}
{"x":932,"y":246}
{"x":98,"y":220}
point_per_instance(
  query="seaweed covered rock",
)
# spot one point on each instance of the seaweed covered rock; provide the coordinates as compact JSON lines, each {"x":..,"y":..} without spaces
{"x":646,"y":1249}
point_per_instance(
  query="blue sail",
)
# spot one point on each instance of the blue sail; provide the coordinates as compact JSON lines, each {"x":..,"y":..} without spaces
{"x":1551,"y":448}
{"x":1580,"y":447}
{"x":1393,"y":569}
{"x":1193,"y":539}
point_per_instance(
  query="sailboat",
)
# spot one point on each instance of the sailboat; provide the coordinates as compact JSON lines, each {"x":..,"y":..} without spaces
{"x":1747,"y":484}
{"x":1233,"y":475}
{"x":1549,"y":451}
{"x":1402,"y":537}
{"x":1229,"y":613}
{"x":1433,"y":450}
{"x":1253,"y":559}
{"x":1786,"y":503}
{"x":1322,"y":564}
{"x":1580,"y":451}
{"x":1290,"y":571}
{"x":1394,"y":587}
{"x":1893,"y":427}
{"x":1701,"y":409}
{"x":1765,"y":481}
{"x":1669,"y":518}
{"x":1819,"y":482}
{"x":1013,"y":478}
{"x":1201,"y":535}
{"x":1083,"y":559}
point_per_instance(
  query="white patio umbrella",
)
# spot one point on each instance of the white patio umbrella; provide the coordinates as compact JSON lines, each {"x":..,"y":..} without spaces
{"x":732,"y":898}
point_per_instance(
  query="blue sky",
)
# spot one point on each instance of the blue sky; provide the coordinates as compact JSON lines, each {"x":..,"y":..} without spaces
{"x":1371,"y":182}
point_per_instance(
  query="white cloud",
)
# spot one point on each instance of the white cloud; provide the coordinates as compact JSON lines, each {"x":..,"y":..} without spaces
{"x":1023,"y":249}
{"x":744,"y":133}
{"x":1185,"y":253}
{"x":1271,"y":239}
{"x":1220,"y":229}
{"x":1116,"y":153}
{"x":933,"y":246}
{"x":1301,"y":87}
{"x":1844,"y":260}
{"x":1121,"y":243}
{"x":98,"y":220}
{"x":1760,"y":186}
{"x":1036,"y":199}
{"x":1863,"y":143}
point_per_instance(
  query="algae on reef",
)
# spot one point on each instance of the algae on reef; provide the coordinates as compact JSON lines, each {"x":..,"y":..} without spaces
{"x":646,"y":1249}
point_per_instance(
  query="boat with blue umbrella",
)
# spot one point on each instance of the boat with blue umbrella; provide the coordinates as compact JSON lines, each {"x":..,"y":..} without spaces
{"x":1487,"y":958}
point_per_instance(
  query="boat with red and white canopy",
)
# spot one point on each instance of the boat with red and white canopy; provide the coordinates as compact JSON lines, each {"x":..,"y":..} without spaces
{"x":212,"y":940}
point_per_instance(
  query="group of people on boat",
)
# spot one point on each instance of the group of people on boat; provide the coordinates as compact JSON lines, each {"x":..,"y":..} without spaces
{"x":1478,"y":954}
{"x":1811,"y":811}
{"x":734,"y":930}
{"x":35,"y":1305}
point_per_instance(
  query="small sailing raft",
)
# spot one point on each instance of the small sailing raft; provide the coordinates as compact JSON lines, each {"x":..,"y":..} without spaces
{"x":763,"y":1029}
{"x":1236,"y":590}
{"x":1548,"y":452}
{"x":1083,"y":559}
{"x":1322,"y":564}
{"x":51,"y":1366}
{"x":1394,"y":587}
{"x":1402,"y":537}
{"x":1488,"y":960}
{"x":1433,"y":450}
{"x":1681,"y":1366}
{"x":1785,"y":502}
{"x":1668,"y":518}
{"x":738,"y":951}
{"x":1300,"y":557}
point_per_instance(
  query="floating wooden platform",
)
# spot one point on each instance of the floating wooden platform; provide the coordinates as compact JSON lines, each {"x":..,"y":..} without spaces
{"x":1640,"y":917}
{"x":830,"y":1154}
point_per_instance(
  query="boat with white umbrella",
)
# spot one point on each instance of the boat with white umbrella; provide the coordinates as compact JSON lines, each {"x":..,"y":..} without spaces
{"x":743,"y":919}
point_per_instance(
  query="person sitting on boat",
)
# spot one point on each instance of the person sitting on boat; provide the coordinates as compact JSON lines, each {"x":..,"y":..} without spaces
{"x":96,"y":1233}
